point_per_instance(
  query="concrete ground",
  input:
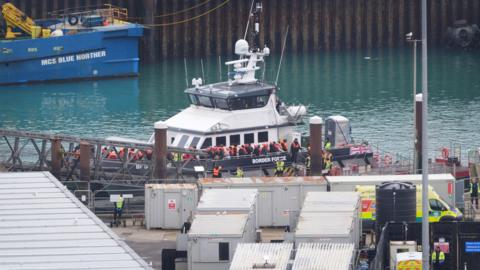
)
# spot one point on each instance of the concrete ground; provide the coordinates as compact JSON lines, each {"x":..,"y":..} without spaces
{"x":149,"y":243}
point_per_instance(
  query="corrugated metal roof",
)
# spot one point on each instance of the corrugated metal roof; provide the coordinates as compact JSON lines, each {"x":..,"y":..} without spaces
{"x":324,"y":224}
{"x":248,"y":254}
{"x":325,"y":256}
{"x":387,"y":178}
{"x":227,"y":199}
{"x":44,"y":226}
{"x":222,"y":225}
{"x":252,"y":181}
{"x":171,"y":186}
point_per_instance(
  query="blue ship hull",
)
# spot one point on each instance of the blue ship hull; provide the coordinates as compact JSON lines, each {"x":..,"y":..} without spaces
{"x":103,"y":52}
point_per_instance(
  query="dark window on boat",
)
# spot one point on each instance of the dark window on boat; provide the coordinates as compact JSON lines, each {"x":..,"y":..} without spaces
{"x":223,"y":251}
{"x":206,"y":143}
{"x":183,"y":141}
{"x":205,"y":101}
{"x":193,"y":99}
{"x":235,"y":139}
{"x":221,"y":103}
{"x":248,"y":138}
{"x":221,"y":141}
{"x":195,"y":141}
{"x":172,"y":139}
{"x":263,"y":136}
{"x":248,"y":102}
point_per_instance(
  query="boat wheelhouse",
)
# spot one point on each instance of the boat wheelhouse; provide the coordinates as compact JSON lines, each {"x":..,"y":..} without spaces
{"x":224,"y":114}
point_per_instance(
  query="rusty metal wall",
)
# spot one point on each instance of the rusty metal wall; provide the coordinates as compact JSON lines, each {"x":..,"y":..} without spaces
{"x":314,"y":24}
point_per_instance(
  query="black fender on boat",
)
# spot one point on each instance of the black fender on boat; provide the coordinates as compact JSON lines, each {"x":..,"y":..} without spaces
{"x":463,"y":35}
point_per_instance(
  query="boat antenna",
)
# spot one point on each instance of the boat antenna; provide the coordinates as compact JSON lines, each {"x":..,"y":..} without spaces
{"x":203,"y":73}
{"x":248,"y":21}
{"x":281,"y":55}
{"x":186,"y":74}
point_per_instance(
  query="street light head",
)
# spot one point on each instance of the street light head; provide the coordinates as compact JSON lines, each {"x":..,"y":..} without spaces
{"x":409,"y":36}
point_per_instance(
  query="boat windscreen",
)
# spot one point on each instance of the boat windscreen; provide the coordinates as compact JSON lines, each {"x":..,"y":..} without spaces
{"x":242,"y":103}
{"x":221,"y":103}
{"x":193,"y":99}
{"x":205,"y":101}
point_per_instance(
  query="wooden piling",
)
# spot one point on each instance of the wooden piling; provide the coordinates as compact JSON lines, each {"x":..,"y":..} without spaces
{"x":56,"y":157}
{"x":316,"y":145}
{"x":150,"y":6}
{"x":391,"y":16}
{"x":348,"y":18}
{"x":370,"y":20}
{"x":326,"y":13}
{"x":401,"y":22}
{"x":359,"y":20}
{"x":314,"y":24}
{"x":317,"y":25}
{"x":339,"y":12}
{"x":85,"y":153}
{"x":160,"y":150}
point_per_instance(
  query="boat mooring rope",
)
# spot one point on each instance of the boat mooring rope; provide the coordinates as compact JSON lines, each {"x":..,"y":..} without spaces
{"x":192,"y":18}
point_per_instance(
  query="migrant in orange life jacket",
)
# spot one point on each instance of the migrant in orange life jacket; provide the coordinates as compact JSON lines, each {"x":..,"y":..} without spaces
{"x":284,"y":145}
{"x":131,"y":152}
{"x":112,"y":155}
{"x":217,"y":172}
{"x":121,"y":153}
{"x":139,"y":155}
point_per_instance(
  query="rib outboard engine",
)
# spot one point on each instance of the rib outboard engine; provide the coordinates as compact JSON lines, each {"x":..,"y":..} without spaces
{"x":463,"y":35}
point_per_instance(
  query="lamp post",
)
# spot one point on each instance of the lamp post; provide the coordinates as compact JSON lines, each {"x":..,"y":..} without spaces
{"x":410,"y":39}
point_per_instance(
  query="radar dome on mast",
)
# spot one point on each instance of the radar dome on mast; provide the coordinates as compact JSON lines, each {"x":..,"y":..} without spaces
{"x":241,"y":47}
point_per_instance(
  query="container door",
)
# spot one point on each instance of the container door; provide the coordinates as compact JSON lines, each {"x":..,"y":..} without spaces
{"x":265,"y":209}
{"x":172,"y":210}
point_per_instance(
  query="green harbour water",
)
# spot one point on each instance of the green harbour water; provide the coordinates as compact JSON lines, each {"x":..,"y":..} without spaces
{"x":372,"y":88}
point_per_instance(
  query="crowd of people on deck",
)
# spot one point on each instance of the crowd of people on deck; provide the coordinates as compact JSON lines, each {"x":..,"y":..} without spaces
{"x":131,"y":153}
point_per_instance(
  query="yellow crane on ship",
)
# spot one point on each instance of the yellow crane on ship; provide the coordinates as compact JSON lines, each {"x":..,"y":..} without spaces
{"x":14,"y":17}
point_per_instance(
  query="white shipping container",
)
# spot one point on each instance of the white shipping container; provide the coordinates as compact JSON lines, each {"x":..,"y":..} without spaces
{"x":278,"y":197}
{"x":213,"y":239}
{"x":169,"y":206}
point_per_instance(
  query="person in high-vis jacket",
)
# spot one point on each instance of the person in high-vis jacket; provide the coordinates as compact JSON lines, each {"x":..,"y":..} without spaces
{"x":118,"y":209}
{"x":279,"y":168}
{"x":438,"y":258}
{"x":474,"y":190}
{"x":239,"y":173}
{"x":327,"y":144}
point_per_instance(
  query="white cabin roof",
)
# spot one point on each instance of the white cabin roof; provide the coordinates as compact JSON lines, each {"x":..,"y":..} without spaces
{"x":44,"y":226}
{"x":326,"y":256}
{"x":388,"y":178}
{"x":200,"y":119}
{"x":221,"y":225}
{"x":249,"y":254}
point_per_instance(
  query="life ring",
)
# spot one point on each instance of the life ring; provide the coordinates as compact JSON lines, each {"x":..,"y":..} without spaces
{"x":445,"y":153}
{"x":72,"y":20}
{"x":387,"y":159}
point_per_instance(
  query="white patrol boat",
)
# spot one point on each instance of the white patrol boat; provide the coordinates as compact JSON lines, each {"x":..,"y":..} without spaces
{"x":242,"y":110}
